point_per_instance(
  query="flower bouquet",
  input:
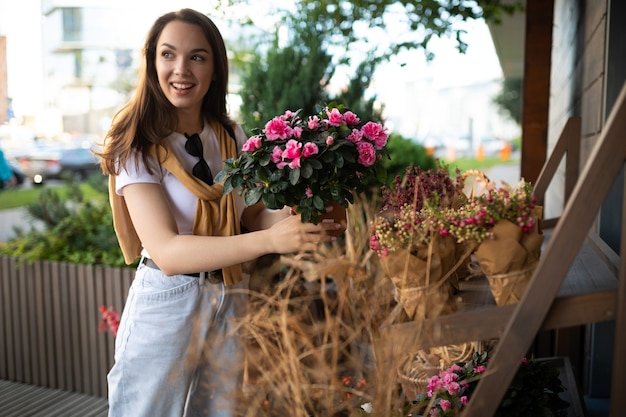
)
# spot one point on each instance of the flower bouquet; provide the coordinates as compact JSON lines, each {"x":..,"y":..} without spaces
{"x":415,"y":252}
{"x":309,"y":162}
{"x":504,"y":222}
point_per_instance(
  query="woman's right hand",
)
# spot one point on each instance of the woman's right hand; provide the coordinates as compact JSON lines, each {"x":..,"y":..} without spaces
{"x":291,"y":235}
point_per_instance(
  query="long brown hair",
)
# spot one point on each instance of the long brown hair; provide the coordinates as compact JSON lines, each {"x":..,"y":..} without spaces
{"x":148,"y":117}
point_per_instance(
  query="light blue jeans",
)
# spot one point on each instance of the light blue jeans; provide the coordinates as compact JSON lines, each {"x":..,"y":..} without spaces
{"x":176,"y":353}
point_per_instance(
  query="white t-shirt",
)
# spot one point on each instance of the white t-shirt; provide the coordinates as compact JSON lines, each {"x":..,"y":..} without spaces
{"x":182,"y":201}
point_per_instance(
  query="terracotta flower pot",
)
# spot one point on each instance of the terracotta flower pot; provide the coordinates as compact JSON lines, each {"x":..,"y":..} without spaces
{"x":337,"y":215}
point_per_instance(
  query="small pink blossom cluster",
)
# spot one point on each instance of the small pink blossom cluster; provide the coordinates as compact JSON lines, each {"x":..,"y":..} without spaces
{"x":474,"y":220}
{"x":288,"y":130}
{"x":418,"y":186}
{"x":449,"y":391}
{"x":413,"y":209}
{"x":424,"y":203}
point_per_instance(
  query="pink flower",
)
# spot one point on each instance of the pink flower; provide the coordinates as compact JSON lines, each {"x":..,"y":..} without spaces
{"x":295,"y":163}
{"x":252,"y":144}
{"x":292,"y":149}
{"x":524,"y":361}
{"x":376,"y":133}
{"x":335,"y":118}
{"x":367,"y":154}
{"x":454,"y":388}
{"x":277,"y":154}
{"x":351,"y":118}
{"x":309,"y":149}
{"x":297,"y":132}
{"x":449,"y":377}
{"x":464,"y":400}
{"x":374,"y":245}
{"x":434,"y":384}
{"x":313,"y":123}
{"x":308,"y":192}
{"x":445,"y":405}
{"x":110,"y":320}
{"x":277,"y":128}
{"x":330,"y":140}
{"x":479,"y":369}
{"x":355,"y":136}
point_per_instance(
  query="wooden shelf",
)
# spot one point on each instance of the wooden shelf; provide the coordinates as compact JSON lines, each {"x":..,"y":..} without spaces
{"x":587,"y":295}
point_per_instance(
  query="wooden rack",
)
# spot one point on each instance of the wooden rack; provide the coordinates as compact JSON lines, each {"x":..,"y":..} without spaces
{"x":579,"y":280}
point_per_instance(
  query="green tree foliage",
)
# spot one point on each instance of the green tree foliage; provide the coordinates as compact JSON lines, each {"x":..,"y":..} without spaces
{"x":294,"y":73}
{"x":287,"y":78}
{"x":353,"y":96}
{"x":510,"y":99}
{"x":423,"y":19}
{"x":404,"y":152}
{"x":75,"y":229}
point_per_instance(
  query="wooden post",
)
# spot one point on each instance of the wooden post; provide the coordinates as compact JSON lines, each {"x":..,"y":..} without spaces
{"x":536,"y":87}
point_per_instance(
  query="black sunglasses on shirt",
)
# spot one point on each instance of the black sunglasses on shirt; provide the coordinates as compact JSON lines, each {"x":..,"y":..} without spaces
{"x":201,"y":169}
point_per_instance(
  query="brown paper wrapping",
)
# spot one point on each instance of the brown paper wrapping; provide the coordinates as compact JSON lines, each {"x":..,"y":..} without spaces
{"x":423,"y":287}
{"x":509,"y":260}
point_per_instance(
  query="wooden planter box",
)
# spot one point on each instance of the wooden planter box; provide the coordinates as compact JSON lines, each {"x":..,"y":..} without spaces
{"x":49,"y":318}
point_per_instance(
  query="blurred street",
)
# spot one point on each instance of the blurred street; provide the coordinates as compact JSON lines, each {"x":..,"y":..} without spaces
{"x":509,"y":173}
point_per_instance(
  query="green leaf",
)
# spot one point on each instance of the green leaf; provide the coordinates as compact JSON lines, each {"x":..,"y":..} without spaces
{"x":252,"y":196}
{"x":294,"y":176}
{"x":228,"y":186}
{"x":306,"y":215}
{"x":339,"y":160}
{"x":307,"y":170}
{"x":315,"y":164}
{"x":236,"y":181}
{"x":271,"y":202}
{"x":349,"y":155}
{"x":264,"y":160}
{"x":328,"y":157}
{"x":318,"y":203}
{"x":220,"y":176}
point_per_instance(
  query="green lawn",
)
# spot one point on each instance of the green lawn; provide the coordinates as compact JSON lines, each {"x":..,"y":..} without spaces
{"x":465,"y":164}
{"x":24,"y":196}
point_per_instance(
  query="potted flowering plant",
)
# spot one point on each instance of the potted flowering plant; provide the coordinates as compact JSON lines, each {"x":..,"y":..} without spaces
{"x":308,"y":162}
{"x":534,"y":390}
{"x":503,"y":223}
{"x":414,"y":251}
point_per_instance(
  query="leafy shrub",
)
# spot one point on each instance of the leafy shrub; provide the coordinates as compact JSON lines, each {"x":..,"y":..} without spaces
{"x":404,"y":152}
{"x":75,"y":229}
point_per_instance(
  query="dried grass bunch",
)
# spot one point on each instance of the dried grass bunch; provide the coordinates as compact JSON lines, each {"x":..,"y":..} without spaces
{"x":313,"y":330}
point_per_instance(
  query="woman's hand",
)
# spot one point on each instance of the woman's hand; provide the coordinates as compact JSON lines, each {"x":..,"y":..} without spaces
{"x":291,"y":235}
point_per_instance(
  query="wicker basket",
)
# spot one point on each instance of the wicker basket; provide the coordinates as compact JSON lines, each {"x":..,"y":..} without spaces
{"x":418,"y":369}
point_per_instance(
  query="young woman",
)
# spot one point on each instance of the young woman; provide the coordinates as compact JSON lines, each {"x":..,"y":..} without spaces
{"x":174,"y":353}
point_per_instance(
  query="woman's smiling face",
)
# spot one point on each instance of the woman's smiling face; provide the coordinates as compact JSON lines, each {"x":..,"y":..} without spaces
{"x":184,"y":65}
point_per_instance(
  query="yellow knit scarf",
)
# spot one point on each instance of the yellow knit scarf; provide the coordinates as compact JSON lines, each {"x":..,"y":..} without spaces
{"x":212,"y":206}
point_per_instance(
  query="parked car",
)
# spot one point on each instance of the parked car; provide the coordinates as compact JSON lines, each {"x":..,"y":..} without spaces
{"x":42,"y":164}
{"x":17,"y":173}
